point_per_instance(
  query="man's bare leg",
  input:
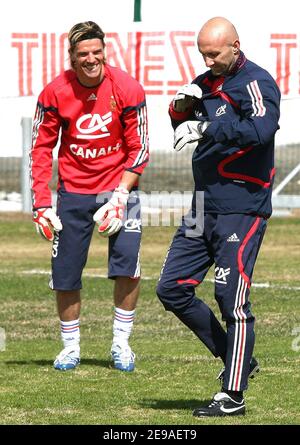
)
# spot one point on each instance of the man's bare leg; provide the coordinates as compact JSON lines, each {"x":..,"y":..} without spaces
{"x":68,"y":304}
{"x":126,"y":292}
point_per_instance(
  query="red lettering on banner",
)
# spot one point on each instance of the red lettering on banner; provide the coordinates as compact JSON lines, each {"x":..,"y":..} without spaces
{"x":150,"y":57}
{"x":51,"y":63}
{"x":142,"y":57}
{"x":181,"y":41}
{"x":117,"y":54}
{"x":63,"y":46}
{"x":54,"y":53}
{"x":154,"y":66}
{"x":139,"y":50}
{"x":24,"y":44}
{"x":53,"y":56}
{"x":138,"y":55}
{"x":44,"y":59}
{"x":283,"y":43}
{"x":135,"y":56}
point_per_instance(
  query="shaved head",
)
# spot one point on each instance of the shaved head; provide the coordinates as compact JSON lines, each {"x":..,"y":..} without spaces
{"x":218,"y":42}
{"x":218,"y":29}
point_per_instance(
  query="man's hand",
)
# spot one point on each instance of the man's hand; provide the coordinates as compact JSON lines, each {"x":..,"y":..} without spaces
{"x":185,"y":97}
{"x":46,"y":220}
{"x":189,"y":133}
{"x":109,"y":216}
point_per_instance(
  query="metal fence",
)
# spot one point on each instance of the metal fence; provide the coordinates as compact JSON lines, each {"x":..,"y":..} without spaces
{"x":167,"y":171}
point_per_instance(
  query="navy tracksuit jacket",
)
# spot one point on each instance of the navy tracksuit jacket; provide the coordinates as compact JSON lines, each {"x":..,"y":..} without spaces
{"x":233,"y":166}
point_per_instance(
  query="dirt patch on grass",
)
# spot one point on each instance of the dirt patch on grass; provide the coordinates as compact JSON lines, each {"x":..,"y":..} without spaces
{"x":14,"y":216}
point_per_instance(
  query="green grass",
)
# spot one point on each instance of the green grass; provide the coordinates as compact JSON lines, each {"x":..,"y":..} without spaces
{"x":174,"y":371}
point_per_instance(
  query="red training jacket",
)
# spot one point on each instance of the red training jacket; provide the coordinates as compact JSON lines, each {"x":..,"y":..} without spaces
{"x":104,"y":131}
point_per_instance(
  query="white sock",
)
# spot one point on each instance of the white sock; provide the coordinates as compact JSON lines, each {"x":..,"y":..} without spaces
{"x":70,"y":333}
{"x":122,"y":326}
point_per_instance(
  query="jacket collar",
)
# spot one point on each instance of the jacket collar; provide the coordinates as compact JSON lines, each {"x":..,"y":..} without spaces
{"x":241,"y":60}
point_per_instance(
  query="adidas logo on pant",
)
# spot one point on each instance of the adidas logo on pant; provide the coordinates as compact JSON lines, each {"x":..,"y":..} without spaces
{"x":233,"y":238}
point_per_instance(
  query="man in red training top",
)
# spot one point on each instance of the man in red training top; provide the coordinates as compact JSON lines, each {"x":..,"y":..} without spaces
{"x":101,"y":113}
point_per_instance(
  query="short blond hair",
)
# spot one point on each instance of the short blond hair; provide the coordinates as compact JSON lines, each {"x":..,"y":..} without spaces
{"x":84,"y":31}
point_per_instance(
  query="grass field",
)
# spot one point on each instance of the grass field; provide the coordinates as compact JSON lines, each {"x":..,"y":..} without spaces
{"x":174,"y":371}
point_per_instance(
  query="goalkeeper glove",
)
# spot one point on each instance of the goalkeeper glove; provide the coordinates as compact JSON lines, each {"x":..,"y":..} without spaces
{"x":185,"y":96}
{"x":189,"y":133}
{"x":46,"y":220}
{"x":109,"y":216}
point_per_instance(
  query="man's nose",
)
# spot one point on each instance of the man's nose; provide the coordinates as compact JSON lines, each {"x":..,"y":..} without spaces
{"x":209,"y":62}
{"x":90,"y":58}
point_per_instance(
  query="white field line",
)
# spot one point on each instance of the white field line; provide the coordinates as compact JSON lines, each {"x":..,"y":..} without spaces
{"x":97,"y":275}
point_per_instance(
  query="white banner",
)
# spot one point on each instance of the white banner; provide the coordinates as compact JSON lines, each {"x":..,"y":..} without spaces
{"x":160,"y":51}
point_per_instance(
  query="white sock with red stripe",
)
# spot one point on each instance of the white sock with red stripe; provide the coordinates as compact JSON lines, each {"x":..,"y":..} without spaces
{"x":122,"y":326}
{"x":70,"y":333}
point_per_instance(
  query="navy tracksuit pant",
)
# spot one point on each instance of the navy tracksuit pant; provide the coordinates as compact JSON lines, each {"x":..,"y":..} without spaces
{"x":230,"y":242}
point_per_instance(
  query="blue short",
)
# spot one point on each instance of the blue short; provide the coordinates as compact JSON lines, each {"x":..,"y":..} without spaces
{"x":71,"y":245}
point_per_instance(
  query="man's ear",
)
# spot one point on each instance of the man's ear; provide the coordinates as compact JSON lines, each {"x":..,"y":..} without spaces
{"x":236,"y":47}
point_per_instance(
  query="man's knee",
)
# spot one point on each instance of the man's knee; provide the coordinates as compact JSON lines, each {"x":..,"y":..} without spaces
{"x":162,"y":293}
{"x":174,"y":298}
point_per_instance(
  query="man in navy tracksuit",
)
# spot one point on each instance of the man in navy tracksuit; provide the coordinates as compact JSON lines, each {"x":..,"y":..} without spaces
{"x":230,"y":116}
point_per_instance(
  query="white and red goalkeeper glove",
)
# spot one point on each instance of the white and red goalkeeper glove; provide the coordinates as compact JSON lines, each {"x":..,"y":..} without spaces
{"x":185,"y":96}
{"x":189,"y":133}
{"x":109,"y":216}
{"x":46,"y":220}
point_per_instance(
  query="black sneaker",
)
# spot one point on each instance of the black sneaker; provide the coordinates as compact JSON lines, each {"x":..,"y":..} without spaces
{"x":254,"y":369}
{"x":221,"y":405}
